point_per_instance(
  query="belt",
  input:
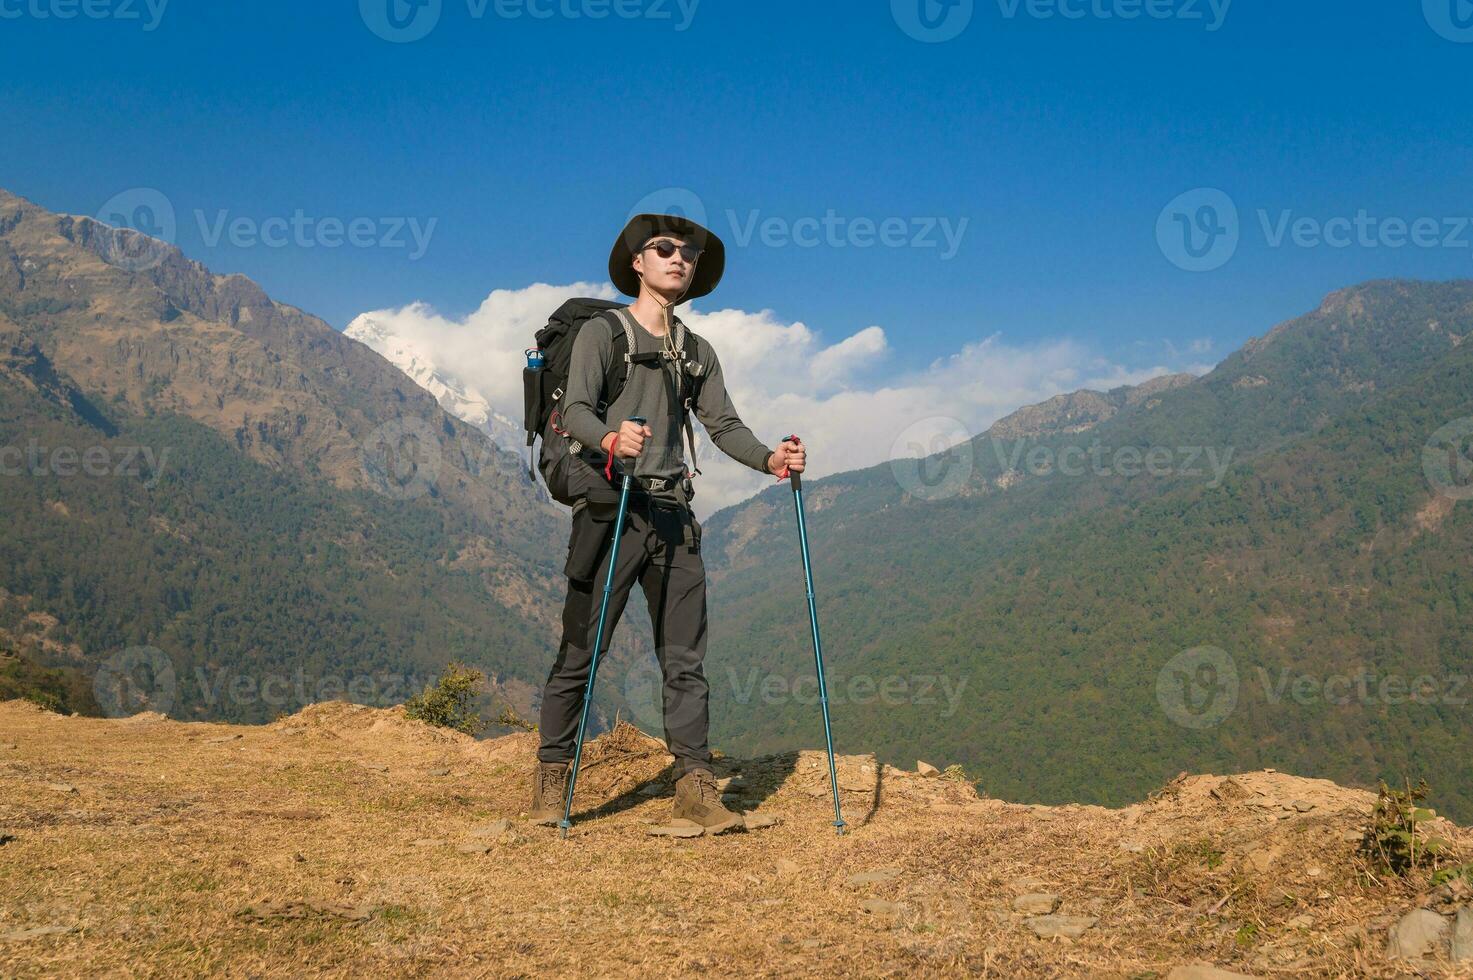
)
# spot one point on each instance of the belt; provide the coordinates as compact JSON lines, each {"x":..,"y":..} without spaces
{"x":646,"y":484}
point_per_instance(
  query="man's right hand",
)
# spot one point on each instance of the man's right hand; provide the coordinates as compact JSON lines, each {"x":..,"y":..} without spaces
{"x":631,"y":439}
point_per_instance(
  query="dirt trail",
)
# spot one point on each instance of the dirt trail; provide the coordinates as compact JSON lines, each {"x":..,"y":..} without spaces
{"x":350,"y":841}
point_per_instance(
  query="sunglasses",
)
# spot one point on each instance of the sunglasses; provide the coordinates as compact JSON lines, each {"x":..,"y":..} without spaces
{"x":665,"y":248}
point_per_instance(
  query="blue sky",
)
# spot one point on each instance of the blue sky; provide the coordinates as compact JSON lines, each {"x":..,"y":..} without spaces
{"x":527,"y":140}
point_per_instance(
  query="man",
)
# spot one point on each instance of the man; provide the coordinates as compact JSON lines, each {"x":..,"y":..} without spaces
{"x":661,"y":260}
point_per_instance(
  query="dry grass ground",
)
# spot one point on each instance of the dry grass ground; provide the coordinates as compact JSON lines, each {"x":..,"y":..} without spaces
{"x":342,"y":841}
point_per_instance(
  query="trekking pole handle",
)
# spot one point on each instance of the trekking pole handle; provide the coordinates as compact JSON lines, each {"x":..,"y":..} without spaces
{"x":785,"y":474}
{"x":609,"y":463}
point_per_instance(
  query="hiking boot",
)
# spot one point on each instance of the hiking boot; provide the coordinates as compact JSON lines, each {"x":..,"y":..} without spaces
{"x":698,"y":800}
{"x":549,"y":793}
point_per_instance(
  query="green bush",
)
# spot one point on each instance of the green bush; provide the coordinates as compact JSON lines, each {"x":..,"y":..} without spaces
{"x":1395,"y":841}
{"x":448,"y":702}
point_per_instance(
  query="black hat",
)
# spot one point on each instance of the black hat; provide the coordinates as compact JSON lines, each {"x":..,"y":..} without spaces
{"x":643,"y":227}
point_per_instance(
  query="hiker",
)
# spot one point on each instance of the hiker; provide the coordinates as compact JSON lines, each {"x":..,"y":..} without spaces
{"x":661,"y":260}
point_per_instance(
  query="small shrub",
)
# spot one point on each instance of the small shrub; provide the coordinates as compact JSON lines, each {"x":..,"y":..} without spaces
{"x":511,"y":719}
{"x":1395,"y":840}
{"x":447,"y":702}
{"x":1463,"y":871}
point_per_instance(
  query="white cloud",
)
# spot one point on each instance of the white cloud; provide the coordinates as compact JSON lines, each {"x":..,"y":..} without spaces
{"x":785,"y":378}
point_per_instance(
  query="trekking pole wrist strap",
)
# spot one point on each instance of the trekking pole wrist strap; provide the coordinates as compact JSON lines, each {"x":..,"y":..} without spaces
{"x":609,"y":463}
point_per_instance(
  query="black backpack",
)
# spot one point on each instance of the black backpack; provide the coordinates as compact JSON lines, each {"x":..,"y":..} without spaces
{"x":545,"y":379}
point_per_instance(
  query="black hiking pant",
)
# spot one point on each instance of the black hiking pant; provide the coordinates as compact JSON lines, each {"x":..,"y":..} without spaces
{"x":661,"y":549}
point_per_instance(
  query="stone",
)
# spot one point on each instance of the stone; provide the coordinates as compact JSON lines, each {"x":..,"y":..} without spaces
{"x":1068,"y":926}
{"x":221,"y":739}
{"x":878,"y":906}
{"x":1463,"y":936}
{"x":1300,"y":922}
{"x":1228,"y":791}
{"x":757,"y":821}
{"x":495,"y":828}
{"x":786,"y":867}
{"x":876,"y":877}
{"x":1303,"y":806}
{"x":677,"y":830}
{"x":1037,"y":903}
{"x":441,"y":771}
{"x":1261,"y":860}
{"x":35,"y":932}
{"x":1204,"y":971}
{"x":473,"y":847}
{"x":375,"y":767}
{"x":927,"y":770}
{"x":61,"y":787}
{"x":1420,"y":933}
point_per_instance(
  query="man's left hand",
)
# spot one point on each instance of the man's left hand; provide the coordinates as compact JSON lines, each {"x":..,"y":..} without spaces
{"x":789,"y":455}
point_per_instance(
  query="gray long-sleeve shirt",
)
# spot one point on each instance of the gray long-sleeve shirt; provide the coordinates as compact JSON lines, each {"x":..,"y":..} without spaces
{"x":648,"y":393}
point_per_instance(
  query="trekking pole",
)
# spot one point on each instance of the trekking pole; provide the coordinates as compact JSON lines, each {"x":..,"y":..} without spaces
{"x":598,"y":637}
{"x":823,"y":692}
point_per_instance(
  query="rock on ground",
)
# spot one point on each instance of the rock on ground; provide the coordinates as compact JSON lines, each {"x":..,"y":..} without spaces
{"x":1036,"y":903}
{"x":1420,"y":933}
{"x":1202,"y":971}
{"x":1070,"y":926}
{"x":1463,"y":935}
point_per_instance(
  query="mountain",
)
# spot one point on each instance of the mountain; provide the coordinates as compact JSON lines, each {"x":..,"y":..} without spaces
{"x":454,"y":396}
{"x":1068,"y":621}
{"x":187,"y":465}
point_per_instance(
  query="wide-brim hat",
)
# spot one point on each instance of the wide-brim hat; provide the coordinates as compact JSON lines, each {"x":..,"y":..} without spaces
{"x":643,"y":227}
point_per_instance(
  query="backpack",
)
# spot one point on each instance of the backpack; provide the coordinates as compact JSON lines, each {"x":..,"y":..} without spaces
{"x":545,"y":379}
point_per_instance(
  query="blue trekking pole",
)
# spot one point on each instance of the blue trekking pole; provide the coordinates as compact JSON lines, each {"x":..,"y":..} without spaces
{"x":823,"y":691}
{"x":598,"y":638}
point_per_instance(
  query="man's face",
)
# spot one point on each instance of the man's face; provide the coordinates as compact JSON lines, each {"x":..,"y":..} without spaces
{"x":670,"y":275}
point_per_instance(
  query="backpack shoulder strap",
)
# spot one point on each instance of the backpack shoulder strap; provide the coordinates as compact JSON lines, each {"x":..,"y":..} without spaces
{"x":616,"y":375}
{"x":690,"y":384}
